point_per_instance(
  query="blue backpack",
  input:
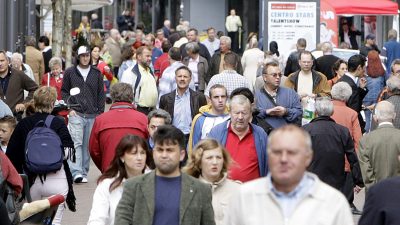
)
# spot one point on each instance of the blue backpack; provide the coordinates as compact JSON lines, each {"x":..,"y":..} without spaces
{"x":43,"y":149}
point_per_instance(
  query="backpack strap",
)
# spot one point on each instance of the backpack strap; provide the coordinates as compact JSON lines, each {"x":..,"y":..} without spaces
{"x":49,"y":120}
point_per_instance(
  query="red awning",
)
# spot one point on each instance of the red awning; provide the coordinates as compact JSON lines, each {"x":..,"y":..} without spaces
{"x":363,"y":7}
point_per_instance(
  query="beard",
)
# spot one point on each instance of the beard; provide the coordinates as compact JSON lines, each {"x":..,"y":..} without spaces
{"x":167,"y":167}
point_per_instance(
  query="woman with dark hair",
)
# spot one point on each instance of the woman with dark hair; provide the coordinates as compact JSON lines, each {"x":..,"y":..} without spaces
{"x":209,"y":162}
{"x":104,"y":69}
{"x":339,"y":69}
{"x":130,"y":160}
{"x":375,"y":83}
{"x":278,"y":56}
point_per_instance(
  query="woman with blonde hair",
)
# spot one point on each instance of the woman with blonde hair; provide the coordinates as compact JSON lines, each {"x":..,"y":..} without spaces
{"x":44,"y":185}
{"x":209,"y":162}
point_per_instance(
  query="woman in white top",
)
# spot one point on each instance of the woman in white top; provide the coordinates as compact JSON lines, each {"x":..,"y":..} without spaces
{"x":209,"y":161}
{"x":130,"y":160}
{"x":251,"y":59}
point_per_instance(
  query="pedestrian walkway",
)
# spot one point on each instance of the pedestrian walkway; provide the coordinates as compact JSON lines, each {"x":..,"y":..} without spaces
{"x":84,"y":196}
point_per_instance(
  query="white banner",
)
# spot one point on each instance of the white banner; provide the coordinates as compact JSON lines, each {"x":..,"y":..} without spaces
{"x":289,"y":21}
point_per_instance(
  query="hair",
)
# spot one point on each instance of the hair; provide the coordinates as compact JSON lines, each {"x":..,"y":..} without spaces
{"x":169,"y":134}
{"x":17,"y":56}
{"x":273,"y":47}
{"x":45,"y":40}
{"x":374,"y":67}
{"x":210,"y":28}
{"x":175,"y":54}
{"x":121,"y":92}
{"x":392,"y":34}
{"x":160,"y":113}
{"x":183,"y":68}
{"x":152,"y":38}
{"x":301,"y":43}
{"x":215,"y":86}
{"x":193,"y":168}
{"x":127,"y":52}
{"x":305,"y":52}
{"x":272,"y":63}
{"x":326,"y":47}
{"x":393,"y":84}
{"x":220,"y":34}
{"x":30,"y":41}
{"x":323,"y":106}
{"x":11,"y":121}
{"x":253,"y":43}
{"x":44,"y":98}
{"x":385,"y":111}
{"x":165,"y":46}
{"x":55,"y":61}
{"x":251,"y":36}
{"x":337,"y":64}
{"x":395,"y":62}
{"x":341,"y":91}
{"x":159,"y":31}
{"x":246,"y":92}
{"x":192,"y":47}
{"x":230,"y":59}
{"x":290,"y":128}
{"x":344,"y":45}
{"x":196,"y":32}
{"x":141,"y":49}
{"x":182,"y":33}
{"x":227,"y":40}
{"x":117,"y":167}
{"x":239,"y":100}
{"x":355,"y":61}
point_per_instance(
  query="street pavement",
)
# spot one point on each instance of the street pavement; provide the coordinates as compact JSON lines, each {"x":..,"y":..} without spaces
{"x":84,"y":196}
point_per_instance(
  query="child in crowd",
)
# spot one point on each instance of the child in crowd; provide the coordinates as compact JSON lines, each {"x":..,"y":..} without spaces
{"x":7,"y":126}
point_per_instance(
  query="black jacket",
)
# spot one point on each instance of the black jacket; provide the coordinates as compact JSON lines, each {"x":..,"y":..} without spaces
{"x":91,"y":99}
{"x":325,"y":64}
{"x":197,"y":100}
{"x":330,"y":143}
{"x":356,"y":99}
{"x":382,"y":203}
{"x":352,"y":37}
{"x":216,"y":60}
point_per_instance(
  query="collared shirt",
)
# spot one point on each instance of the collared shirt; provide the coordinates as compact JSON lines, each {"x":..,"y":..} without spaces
{"x":182,"y":113}
{"x":289,"y":201}
{"x":230,"y":79}
{"x":167,"y":81}
{"x":193,"y":67}
{"x":212,"y":46}
{"x":352,"y":77}
{"x":233,"y":23}
{"x":243,"y":152}
{"x":148,"y":90}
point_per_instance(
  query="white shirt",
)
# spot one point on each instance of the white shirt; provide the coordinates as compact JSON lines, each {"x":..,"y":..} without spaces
{"x":210,"y":122}
{"x":354,"y":78}
{"x":105,"y":203}
{"x":3,"y":148}
{"x":233,"y":23}
{"x":193,"y":67}
{"x":212,"y":46}
{"x":84,"y":72}
{"x":305,"y":84}
{"x":346,"y":38}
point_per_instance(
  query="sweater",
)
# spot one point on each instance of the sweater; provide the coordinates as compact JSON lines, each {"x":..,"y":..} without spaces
{"x":91,"y":99}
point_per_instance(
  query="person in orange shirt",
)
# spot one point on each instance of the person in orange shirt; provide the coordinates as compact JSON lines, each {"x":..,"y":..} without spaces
{"x":347,"y":117}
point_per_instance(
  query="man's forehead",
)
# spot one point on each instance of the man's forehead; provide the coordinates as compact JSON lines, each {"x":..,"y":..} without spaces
{"x":157,"y":121}
{"x":168,"y":143}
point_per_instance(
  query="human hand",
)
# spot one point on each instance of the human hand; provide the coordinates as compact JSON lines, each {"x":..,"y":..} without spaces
{"x":357,"y":189}
{"x":19,"y":107}
{"x":362,"y":82}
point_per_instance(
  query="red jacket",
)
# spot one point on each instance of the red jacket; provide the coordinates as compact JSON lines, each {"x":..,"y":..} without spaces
{"x":110,"y":127}
{"x":57,"y":83}
{"x":160,"y":65}
{"x":10,"y":174}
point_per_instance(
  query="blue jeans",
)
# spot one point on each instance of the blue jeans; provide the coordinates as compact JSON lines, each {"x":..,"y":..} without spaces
{"x":80,"y":128}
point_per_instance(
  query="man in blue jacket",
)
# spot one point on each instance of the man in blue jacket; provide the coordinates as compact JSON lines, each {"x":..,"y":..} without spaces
{"x":246,"y":142}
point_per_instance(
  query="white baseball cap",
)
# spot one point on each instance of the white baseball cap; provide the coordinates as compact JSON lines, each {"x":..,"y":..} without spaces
{"x":82,"y":50}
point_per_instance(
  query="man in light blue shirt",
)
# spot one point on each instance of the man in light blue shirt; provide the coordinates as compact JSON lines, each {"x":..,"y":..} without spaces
{"x":183,"y":103}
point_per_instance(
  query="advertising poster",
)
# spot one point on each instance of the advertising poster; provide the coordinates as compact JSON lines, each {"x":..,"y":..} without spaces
{"x":288,"y":21}
{"x":329,"y":24}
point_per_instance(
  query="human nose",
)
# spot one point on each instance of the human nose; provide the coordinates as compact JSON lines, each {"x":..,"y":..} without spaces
{"x":284,"y":156}
{"x":214,"y":160}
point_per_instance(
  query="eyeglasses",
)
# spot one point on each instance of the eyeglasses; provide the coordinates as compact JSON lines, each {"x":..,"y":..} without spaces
{"x":275,"y":75}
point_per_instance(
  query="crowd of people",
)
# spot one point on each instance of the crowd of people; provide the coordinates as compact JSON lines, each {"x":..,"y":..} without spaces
{"x":197,"y":133}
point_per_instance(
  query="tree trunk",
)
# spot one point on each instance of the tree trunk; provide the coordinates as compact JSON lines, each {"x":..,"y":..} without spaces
{"x":58,"y":27}
{"x":67,"y":34}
